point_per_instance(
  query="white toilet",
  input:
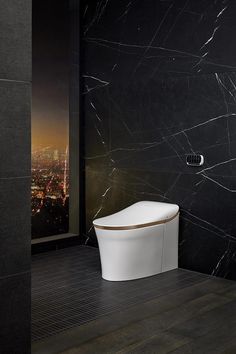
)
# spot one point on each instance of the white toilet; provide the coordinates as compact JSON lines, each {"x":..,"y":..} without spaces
{"x":138,"y":241}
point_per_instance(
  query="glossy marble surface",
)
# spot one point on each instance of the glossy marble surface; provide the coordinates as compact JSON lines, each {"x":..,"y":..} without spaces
{"x":159,"y":82}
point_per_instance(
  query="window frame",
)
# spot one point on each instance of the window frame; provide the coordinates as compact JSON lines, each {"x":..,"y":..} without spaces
{"x":76,"y":163}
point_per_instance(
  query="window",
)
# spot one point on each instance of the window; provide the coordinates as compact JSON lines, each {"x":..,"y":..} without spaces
{"x":50,"y":119}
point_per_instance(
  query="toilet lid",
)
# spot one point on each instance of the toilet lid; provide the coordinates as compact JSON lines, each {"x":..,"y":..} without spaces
{"x":139,"y":215}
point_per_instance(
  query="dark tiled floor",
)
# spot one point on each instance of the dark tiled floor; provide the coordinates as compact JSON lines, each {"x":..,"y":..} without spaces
{"x":75,"y":311}
{"x":67,"y":290}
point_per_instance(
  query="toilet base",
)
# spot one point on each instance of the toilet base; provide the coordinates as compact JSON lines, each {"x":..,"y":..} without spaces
{"x":139,"y":253}
{"x":135,"y":278}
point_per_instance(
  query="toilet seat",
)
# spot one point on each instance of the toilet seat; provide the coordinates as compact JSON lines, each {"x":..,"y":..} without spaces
{"x":139,"y":215}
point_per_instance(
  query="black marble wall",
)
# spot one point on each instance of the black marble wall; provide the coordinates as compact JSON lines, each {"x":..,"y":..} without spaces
{"x":15,"y":237}
{"x":159,"y":82}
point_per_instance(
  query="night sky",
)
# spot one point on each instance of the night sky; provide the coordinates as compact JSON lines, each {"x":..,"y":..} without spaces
{"x":50,"y":105}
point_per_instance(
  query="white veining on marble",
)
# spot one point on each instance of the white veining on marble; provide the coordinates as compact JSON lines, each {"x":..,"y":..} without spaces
{"x":107,"y":43}
{"x":220,"y":231}
{"x":99,"y":83}
{"x":216,"y":165}
{"x":154,"y":144}
{"x":211,"y":38}
{"x":100,"y":9}
{"x":232,"y":190}
{"x":218,"y":265}
{"x":221,"y":12}
{"x":153,"y":38}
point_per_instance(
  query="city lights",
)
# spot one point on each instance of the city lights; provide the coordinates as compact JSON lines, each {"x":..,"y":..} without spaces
{"x":49,"y":192}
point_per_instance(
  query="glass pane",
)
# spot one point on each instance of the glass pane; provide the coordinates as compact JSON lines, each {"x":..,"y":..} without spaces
{"x":50,"y":118}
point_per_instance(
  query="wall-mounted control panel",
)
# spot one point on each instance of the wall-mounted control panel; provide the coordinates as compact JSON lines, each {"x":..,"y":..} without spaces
{"x":194,"y":160}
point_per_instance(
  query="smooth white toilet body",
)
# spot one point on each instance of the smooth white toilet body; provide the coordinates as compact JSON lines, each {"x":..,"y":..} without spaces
{"x":139,"y":241}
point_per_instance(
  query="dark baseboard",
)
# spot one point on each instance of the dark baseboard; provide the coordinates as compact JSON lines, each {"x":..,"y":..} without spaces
{"x":55,"y":244}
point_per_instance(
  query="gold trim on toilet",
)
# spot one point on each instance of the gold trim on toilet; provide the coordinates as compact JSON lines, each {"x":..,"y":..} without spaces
{"x":132,"y":227}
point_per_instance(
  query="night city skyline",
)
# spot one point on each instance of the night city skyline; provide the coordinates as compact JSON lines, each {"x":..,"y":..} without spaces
{"x":50,"y":118}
